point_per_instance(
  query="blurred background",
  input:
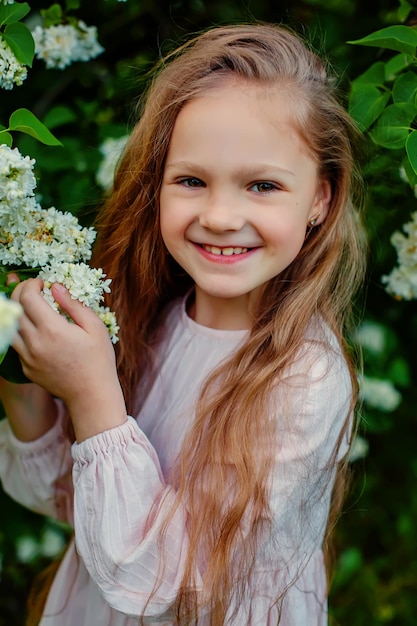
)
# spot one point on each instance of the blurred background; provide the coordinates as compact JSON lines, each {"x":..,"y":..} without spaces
{"x":89,"y":107}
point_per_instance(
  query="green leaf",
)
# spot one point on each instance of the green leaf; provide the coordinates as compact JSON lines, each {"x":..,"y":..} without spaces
{"x":397,"y":64}
{"x":11,"y":13}
{"x":374,"y":75}
{"x":411,"y":149}
{"x":366,"y":104}
{"x":72,"y":4}
{"x":52,"y":16}
{"x":26,"y":122}
{"x":411,"y":174}
{"x":405,"y":87}
{"x":393,"y":126}
{"x":404,"y":10}
{"x":6,"y":138}
{"x":20,"y":40}
{"x":58,"y":116}
{"x":399,"y":37}
{"x":399,"y":372}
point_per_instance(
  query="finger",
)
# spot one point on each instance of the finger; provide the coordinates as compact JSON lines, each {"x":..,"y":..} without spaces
{"x":30,"y":284}
{"x":12,"y":278}
{"x":28,"y":294}
{"x":81,"y":314}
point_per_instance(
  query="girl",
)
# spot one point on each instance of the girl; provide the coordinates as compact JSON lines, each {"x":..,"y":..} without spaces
{"x":235,"y":252}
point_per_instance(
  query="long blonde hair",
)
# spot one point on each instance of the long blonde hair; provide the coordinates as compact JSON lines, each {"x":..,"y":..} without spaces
{"x":226,"y":442}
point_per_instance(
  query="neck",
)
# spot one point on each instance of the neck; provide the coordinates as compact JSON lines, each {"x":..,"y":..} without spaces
{"x":220,"y":313}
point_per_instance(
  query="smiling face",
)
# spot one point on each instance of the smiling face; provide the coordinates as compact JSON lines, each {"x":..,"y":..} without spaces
{"x":238,"y":192}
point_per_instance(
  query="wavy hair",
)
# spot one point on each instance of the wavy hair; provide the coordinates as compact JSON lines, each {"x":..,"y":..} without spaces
{"x":226,"y":443}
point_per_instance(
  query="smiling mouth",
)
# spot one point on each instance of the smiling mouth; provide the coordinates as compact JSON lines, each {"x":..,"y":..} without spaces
{"x":227,"y":251}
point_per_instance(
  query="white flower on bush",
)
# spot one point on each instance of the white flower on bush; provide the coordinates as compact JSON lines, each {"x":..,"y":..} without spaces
{"x":36,"y":238}
{"x":50,"y":544}
{"x":47,"y":239}
{"x":402,"y":280}
{"x":358,"y":450}
{"x":379,"y":393}
{"x":44,"y":235}
{"x":17,"y":180}
{"x":63,"y":44}
{"x":111,"y":149}
{"x":85,"y":284}
{"x":371,"y":336}
{"x":12,"y":72}
{"x":30,"y":235}
{"x":10,"y":312}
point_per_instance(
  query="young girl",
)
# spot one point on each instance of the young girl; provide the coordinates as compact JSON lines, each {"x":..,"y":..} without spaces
{"x":235,"y":252}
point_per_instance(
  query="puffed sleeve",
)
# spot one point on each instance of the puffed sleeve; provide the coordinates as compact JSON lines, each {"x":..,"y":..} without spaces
{"x":120,"y":503}
{"x":37,"y":474}
{"x":121,"y":499}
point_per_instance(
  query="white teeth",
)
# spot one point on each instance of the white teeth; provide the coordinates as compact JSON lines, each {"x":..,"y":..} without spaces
{"x":224,"y":251}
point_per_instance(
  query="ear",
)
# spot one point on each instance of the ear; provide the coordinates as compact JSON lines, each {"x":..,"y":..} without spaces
{"x":322,"y":201}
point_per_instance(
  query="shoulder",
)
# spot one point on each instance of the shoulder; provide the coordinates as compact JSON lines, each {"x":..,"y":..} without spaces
{"x":320,"y":360}
{"x":313,"y":399}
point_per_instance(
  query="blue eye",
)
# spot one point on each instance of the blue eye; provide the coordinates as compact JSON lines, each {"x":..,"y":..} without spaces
{"x":263,"y":187}
{"x":191,"y":182}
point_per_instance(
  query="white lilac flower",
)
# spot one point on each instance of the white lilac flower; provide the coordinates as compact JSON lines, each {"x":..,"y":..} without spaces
{"x":44,"y":235}
{"x":111,"y":149}
{"x":109,"y":320}
{"x":17,"y":180}
{"x":27,"y":549}
{"x":402,"y":280}
{"x":12,"y":72}
{"x":7,"y":2}
{"x":85,"y":284}
{"x":379,"y":394}
{"x":52,"y":542}
{"x":10,"y":312}
{"x":371,"y":336}
{"x":63,"y":44}
{"x":358,"y":450}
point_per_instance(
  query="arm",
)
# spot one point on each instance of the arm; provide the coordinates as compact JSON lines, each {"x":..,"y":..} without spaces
{"x":37,"y":474}
{"x":121,"y":500}
{"x":74,"y":362}
{"x":35,"y":460}
{"x":31,"y":410}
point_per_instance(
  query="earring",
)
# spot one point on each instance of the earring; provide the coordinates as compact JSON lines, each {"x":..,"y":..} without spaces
{"x":314,"y":219}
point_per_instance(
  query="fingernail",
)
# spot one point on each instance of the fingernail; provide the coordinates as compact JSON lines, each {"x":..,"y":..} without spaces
{"x":60,"y":287}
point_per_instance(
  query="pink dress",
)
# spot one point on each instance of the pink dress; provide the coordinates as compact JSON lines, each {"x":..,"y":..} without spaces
{"x":118,"y":476}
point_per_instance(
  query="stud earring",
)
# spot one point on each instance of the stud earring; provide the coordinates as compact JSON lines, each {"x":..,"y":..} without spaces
{"x":314,"y":219}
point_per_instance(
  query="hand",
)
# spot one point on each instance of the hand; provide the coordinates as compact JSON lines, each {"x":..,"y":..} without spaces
{"x":74,"y":361}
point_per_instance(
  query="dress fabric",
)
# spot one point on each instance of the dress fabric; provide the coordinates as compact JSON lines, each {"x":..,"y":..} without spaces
{"x":119,"y":489}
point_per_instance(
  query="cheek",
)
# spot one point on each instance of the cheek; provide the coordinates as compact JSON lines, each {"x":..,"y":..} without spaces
{"x":286,"y":233}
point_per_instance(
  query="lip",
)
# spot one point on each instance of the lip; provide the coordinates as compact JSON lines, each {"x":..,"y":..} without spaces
{"x":223,"y":259}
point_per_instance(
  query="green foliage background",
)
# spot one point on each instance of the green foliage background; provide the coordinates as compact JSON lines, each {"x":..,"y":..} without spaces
{"x":376,"y":571}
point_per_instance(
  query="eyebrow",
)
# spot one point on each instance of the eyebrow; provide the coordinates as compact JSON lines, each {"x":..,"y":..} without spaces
{"x":258,"y":169}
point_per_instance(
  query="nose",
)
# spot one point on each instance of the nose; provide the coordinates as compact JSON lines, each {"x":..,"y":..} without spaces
{"x":221,"y":213}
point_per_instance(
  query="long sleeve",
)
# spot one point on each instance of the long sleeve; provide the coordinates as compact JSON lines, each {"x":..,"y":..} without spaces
{"x":121,"y":499}
{"x":37,"y":474}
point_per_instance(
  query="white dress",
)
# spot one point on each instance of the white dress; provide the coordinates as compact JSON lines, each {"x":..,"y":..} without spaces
{"x":119,"y":475}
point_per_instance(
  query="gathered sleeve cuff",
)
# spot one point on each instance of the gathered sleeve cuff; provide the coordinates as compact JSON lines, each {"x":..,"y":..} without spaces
{"x":37,"y":474}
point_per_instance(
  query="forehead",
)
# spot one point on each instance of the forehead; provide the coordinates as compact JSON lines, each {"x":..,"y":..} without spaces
{"x":246,"y":120}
